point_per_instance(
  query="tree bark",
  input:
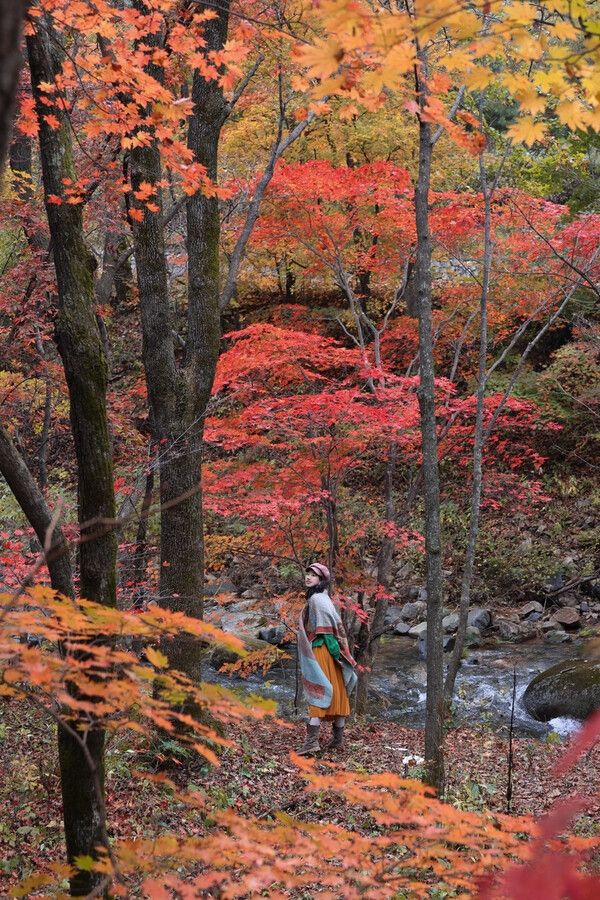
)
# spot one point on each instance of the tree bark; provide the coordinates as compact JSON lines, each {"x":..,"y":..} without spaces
{"x":31,"y":500}
{"x":11,"y":20}
{"x":434,"y":724}
{"x":478,"y":441}
{"x":81,"y":349}
{"x":178,"y":394}
{"x":370,"y":632}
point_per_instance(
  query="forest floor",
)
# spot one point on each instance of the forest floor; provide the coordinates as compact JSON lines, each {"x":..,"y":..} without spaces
{"x":257,"y":778}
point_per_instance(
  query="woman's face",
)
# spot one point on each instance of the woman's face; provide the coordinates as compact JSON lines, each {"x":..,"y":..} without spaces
{"x":311,"y":578}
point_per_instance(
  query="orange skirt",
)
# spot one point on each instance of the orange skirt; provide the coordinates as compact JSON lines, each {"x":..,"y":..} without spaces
{"x":340,"y":705}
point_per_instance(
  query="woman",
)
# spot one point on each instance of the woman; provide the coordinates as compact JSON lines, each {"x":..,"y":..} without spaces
{"x":327,"y":667}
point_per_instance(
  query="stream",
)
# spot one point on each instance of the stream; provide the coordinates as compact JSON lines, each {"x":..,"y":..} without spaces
{"x":484,"y":685}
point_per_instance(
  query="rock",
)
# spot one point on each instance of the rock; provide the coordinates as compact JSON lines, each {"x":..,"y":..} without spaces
{"x":567,"y":616}
{"x":529,"y":608}
{"x":410,"y":612}
{"x":585,"y":607}
{"x":419,"y":630}
{"x":402,"y":628}
{"x":479,"y":618}
{"x":557,"y":637}
{"x":568,"y":600}
{"x":392,"y":616}
{"x":514,"y":632}
{"x":450,"y":623}
{"x":551,"y":625}
{"x":273,"y":635}
{"x":472,"y":636}
{"x":555,"y":583}
{"x":449,"y":642}
{"x":592,"y":589}
{"x":568,"y":689}
{"x":253,"y":593}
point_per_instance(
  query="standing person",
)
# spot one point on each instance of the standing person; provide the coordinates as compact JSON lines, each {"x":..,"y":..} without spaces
{"x":326,"y":665}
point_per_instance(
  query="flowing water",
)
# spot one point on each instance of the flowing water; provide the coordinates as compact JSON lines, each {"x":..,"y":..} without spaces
{"x":484,"y":687}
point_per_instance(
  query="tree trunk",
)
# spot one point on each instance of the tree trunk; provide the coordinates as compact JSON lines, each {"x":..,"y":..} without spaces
{"x":478,"y":441}
{"x":11,"y":19}
{"x":434,"y":724}
{"x":368,"y":640}
{"x":81,"y":349}
{"x":31,"y":500}
{"x":204,"y":329}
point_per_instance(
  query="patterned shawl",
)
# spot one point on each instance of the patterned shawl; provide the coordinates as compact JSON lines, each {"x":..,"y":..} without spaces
{"x":322,"y":618}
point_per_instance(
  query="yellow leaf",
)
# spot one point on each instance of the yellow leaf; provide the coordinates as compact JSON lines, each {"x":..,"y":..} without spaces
{"x":564,"y":31}
{"x":458,"y":60}
{"x":85,"y":863}
{"x":478,"y":78}
{"x":522,"y":13}
{"x":553,"y":81}
{"x":572,"y":114}
{"x":156,"y":658}
{"x":527,"y":131}
{"x":530,"y":100}
{"x":592,"y":118}
{"x":528,"y":47}
{"x":463,"y":25}
{"x":322,"y":58}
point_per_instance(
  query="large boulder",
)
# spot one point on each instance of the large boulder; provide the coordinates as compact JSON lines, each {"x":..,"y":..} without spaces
{"x":567,"y":616}
{"x":472,"y":636}
{"x":557,"y":637}
{"x":530,"y":609}
{"x":450,"y":623}
{"x":514,"y":632}
{"x":419,"y":630}
{"x":480,"y":618}
{"x":273,"y":635}
{"x":570,"y":688}
{"x":393,"y":616}
{"x":412,"y":612}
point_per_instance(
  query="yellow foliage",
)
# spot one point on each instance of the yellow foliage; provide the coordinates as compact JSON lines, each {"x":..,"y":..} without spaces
{"x":527,"y":130}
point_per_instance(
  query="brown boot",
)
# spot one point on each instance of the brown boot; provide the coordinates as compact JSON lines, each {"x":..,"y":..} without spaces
{"x":337,"y":742}
{"x":311,"y":745}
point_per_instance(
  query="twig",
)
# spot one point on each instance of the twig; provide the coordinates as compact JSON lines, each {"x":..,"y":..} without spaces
{"x":509,"y":786}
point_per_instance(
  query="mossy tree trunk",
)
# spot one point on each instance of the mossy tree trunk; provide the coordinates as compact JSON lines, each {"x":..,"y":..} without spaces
{"x":179,"y":392}
{"x":82,"y":353}
{"x":11,"y":19}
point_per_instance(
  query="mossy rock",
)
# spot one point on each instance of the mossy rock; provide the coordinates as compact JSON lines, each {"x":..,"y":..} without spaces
{"x":570,"y":688}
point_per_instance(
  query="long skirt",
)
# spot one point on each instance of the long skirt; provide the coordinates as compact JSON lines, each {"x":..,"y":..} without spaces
{"x":340,"y":705}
